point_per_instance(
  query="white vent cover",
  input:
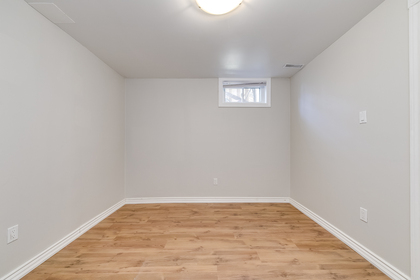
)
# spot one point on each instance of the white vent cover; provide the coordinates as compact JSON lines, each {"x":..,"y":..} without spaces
{"x":288,"y":65}
{"x":51,"y":12}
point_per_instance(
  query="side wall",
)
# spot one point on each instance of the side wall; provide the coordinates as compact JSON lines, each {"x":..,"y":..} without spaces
{"x":339,"y":165}
{"x":178,"y":140}
{"x":62,"y":134}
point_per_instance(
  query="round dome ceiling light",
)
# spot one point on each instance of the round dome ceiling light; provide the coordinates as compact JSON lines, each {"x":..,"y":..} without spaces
{"x":218,"y":7}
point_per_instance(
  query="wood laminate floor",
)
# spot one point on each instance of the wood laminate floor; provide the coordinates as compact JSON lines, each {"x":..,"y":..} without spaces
{"x":243,"y":241}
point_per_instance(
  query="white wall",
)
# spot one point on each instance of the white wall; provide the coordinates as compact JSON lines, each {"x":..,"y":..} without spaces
{"x":339,"y":165}
{"x":62,"y":134}
{"x":178,"y":140}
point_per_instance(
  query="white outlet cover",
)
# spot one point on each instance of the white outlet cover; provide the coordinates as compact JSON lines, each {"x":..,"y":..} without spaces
{"x":12,"y":234}
{"x":362,"y":117}
{"x":363,"y":215}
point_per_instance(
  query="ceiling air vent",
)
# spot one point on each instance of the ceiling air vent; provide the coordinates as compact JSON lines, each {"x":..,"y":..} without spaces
{"x":293,"y":65}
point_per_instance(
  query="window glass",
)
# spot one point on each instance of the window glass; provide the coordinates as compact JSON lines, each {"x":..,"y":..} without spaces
{"x":244,"y":93}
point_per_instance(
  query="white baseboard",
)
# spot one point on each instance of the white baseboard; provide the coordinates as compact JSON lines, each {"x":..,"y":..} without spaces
{"x":374,"y":259}
{"x":147,"y":200}
{"x":55,"y":248}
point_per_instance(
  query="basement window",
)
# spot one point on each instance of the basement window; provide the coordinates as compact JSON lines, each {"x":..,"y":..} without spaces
{"x":244,"y":92}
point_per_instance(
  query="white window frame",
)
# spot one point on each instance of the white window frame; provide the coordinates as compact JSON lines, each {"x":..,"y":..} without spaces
{"x":222,"y":102}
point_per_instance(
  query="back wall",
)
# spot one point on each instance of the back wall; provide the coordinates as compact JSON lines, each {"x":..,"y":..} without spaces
{"x":178,"y":140}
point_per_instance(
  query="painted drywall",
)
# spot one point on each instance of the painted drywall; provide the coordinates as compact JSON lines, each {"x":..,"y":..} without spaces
{"x":339,"y":165}
{"x":62,"y":134}
{"x":178,"y":140}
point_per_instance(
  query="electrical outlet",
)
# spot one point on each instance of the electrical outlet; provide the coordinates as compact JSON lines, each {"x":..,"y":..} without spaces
{"x":363,"y":215}
{"x":12,"y":234}
{"x":215,"y":181}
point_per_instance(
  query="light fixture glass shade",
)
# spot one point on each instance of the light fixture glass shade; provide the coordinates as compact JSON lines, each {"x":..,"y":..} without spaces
{"x":218,"y":7}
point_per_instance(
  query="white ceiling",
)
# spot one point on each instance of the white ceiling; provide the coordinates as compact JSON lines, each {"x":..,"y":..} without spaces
{"x":175,"y":39}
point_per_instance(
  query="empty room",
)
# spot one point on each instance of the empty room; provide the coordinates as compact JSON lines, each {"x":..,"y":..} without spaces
{"x":209,"y":139}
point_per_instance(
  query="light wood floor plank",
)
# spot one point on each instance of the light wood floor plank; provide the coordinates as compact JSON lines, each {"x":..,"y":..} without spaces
{"x":241,"y":241}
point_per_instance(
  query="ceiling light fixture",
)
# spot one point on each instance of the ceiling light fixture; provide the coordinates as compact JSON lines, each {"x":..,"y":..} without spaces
{"x":218,"y":7}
